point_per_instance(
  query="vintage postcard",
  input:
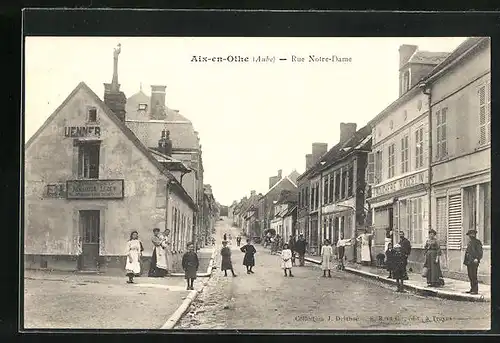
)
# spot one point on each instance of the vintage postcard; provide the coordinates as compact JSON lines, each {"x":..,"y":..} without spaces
{"x":257,"y":183}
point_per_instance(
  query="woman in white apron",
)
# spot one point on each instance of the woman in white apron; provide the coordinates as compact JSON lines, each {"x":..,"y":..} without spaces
{"x":365,"y":239}
{"x":134,"y":252}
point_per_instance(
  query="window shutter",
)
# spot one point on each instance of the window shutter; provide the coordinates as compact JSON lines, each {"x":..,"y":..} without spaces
{"x":441,"y":220}
{"x":425,"y":143}
{"x":488,"y":111}
{"x":454,"y":238}
{"x":370,"y":168}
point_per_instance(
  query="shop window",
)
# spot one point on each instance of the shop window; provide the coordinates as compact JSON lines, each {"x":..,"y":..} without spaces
{"x":441,"y":140}
{"x":337,"y":186}
{"x":88,"y":160}
{"x":414,"y":218}
{"x":419,"y":147}
{"x":391,"y":160}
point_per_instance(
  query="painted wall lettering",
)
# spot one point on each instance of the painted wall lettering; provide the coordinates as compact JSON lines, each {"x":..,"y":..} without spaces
{"x":82,"y":131}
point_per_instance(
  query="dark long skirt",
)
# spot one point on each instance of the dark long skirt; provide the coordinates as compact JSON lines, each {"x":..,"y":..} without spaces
{"x":434,"y":274}
{"x":249,"y":260}
{"x":190,"y":273}
{"x":226,"y":263}
{"x":153,"y":270}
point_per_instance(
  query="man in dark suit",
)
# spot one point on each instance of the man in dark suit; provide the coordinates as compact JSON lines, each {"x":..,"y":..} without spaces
{"x":405,"y":251}
{"x":473,"y":255}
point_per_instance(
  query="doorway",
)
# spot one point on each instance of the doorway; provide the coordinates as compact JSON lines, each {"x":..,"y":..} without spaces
{"x":89,"y":231}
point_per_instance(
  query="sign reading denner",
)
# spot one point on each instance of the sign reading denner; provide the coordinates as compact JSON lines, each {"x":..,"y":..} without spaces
{"x":95,"y":189}
{"x":82,"y":131}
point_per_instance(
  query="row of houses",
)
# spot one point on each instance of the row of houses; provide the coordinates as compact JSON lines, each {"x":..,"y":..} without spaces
{"x":97,"y":170}
{"x":423,"y":162}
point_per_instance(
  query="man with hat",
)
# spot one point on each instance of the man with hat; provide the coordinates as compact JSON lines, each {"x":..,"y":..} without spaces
{"x":405,"y":251}
{"x":473,"y":255}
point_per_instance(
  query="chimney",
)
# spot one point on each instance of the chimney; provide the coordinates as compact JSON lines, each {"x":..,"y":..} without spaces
{"x":318,"y":150}
{"x":280,"y":174}
{"x":347,"y":130}
{"x":157,"y":105}
{"x":113,"y":98}
{"x":405,"y":52}
{"x":309,"y":161}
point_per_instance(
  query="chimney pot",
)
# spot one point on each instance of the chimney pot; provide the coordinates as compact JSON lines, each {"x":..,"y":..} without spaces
{"x":318,"y":150}
{"x":280,"y":173}
{"x":157,"y":105}
{"x":347,"y":130}
{"x":405,"y":52}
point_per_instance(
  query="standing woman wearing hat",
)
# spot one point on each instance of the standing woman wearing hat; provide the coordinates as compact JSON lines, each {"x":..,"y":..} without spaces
{"x":432,"y":254}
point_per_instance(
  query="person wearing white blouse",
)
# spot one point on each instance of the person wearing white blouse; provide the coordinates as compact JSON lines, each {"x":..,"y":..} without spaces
{"x":286,"y":260}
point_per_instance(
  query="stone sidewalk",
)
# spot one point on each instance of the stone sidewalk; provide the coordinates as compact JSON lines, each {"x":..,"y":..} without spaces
{"x":453,"y":289}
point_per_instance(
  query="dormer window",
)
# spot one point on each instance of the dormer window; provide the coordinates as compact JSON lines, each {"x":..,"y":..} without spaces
{"x":92,"y":115}
{"x":143,"y":107}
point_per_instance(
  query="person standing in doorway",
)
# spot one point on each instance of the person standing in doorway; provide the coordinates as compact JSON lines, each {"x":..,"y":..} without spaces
{"x":300,"y":248}
{"x":432,"y":254}
{"x":190,"y":264}
{"x":249,"y":259}
{"x":134,"y":253}
{"x":405,"y":250}
{"x":158,"y":266}
{"x":326,"y":258}
{"x":365,"y":239}
{"x":286,"y":260}
{"x":473,"y":255}
{"x":226,"y":264}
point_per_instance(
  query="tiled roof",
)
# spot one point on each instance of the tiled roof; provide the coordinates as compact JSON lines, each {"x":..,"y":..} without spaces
{"x":279,"y":182}
{"x":428,"y":57}
{"x":141,"y":98}
{"x":293,"y":176}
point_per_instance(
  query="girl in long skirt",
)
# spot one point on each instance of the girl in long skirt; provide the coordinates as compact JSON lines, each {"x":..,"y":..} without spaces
{"x":226,"y":259}
{"x":326,"y":258}
{"x":249,"y":259}
{"x":432,"y":253}
{"x":134,"y":252}
{"x":286,"y":260}
{"x":190,"y":264}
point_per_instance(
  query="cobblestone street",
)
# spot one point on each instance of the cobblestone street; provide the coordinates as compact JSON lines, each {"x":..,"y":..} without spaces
{"x":268,"y":300}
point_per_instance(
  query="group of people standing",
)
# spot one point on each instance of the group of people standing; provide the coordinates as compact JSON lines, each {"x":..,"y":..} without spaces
{"x":248,"y":259}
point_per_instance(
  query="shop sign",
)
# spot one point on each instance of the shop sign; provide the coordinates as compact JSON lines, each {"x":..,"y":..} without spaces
{"x":405,"y":182}
{"x":82,"y":131}
{"x":95,"y":189}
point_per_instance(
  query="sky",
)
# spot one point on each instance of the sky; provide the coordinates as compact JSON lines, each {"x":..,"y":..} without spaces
{"x":253,"y":118}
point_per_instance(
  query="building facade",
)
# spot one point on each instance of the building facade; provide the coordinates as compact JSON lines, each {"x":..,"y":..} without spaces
{"x":89,"y":182}
{"x":461,"y":149}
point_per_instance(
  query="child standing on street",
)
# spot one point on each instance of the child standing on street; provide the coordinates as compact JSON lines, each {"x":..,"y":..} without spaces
{"x":389,"y":259}
{"x":226,"y":259}
{"x":326,"y":258}
{"x":190,"y":264}
{"x":286,"y":260}
{"x":134,"y":253}
{"x":398,"y":267}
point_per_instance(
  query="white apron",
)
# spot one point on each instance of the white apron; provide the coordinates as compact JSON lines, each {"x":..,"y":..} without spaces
{"x":286,"y":254}
{"x":133,"y":251}
{"x":365,"y":248}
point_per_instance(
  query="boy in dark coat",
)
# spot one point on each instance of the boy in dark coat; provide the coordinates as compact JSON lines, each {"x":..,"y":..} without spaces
{"x":190,"y":264}
{"x":398,"y":267}
{"x":226,"y":259}
{"x":249,"y":259}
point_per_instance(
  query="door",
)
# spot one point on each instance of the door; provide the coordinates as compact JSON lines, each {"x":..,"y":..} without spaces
{"x":89,"y":230}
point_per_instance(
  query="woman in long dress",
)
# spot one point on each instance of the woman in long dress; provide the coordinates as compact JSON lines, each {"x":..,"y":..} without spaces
{"x":286,"y":260}
{"x":365,"y":239}
{"x":432,"y":253}
{"x":158,"y":259}
{"x":249,"y":259}
{"x":134,"y":252}
{"x":226,"y":263}
{"x":167,"y":247}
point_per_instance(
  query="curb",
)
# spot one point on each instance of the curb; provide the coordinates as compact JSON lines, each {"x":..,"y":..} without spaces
{"x":181,"y":310}
{"x":417,"y":289}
